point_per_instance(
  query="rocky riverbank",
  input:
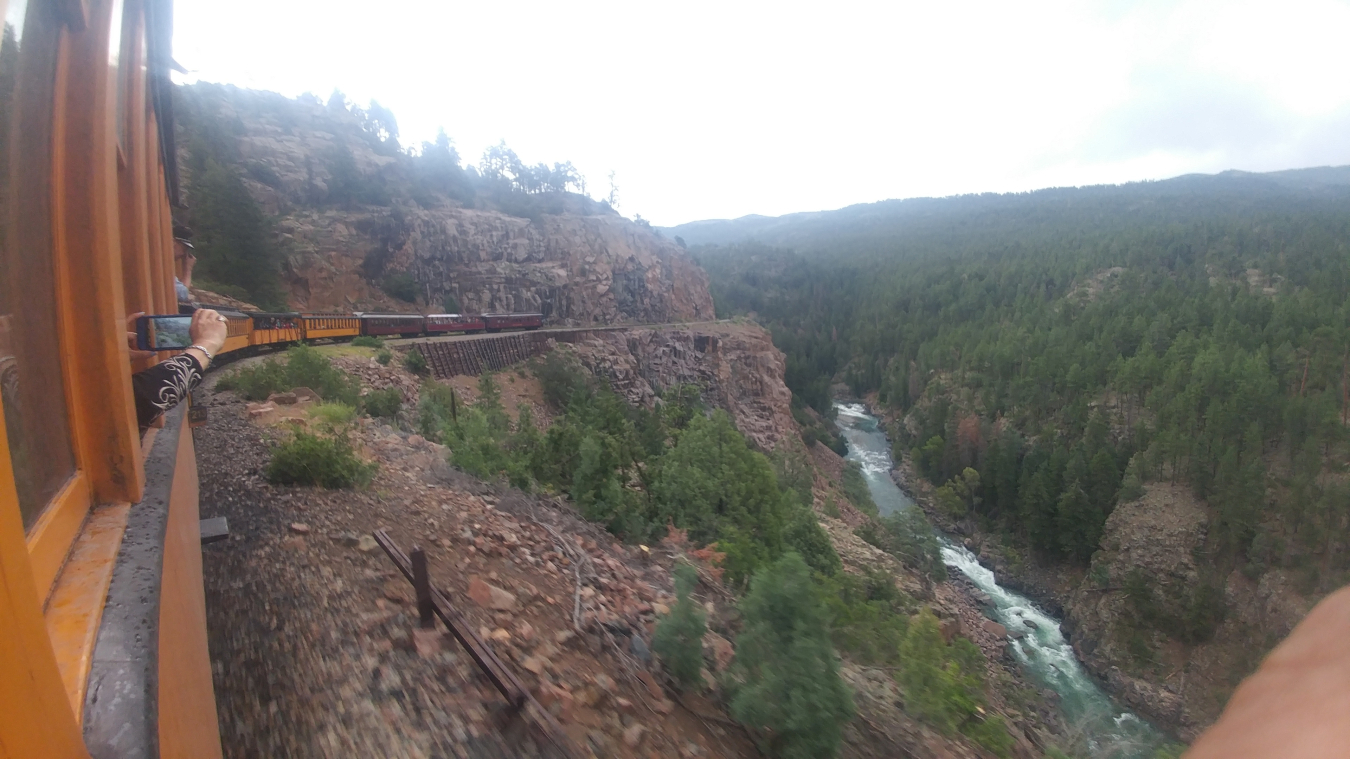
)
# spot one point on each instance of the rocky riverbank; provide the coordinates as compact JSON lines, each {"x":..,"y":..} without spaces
{"x":1058,"y":591}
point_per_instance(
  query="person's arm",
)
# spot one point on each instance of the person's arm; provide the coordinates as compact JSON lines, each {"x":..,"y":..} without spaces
{"x":1298,"y":703}
{"x":166,"y":384}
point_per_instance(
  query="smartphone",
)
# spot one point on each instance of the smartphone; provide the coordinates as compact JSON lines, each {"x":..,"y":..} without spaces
{"x":163,"y":333}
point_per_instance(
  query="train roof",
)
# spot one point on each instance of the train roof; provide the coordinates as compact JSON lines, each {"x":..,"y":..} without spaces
{"x":511,"y":314}
{"x":230,"y":311}
{"x":364,"y":315}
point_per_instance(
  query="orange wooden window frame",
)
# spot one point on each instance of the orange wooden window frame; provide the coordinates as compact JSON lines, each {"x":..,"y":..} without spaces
{"x":67,"y":556}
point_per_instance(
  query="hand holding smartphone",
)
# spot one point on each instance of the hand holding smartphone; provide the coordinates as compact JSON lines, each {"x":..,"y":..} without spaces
{"x":163,"y":333}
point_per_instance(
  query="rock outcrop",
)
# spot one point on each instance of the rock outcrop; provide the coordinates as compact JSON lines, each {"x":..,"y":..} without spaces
{"x":735,"y":366}
{"x":1160,"y":539}
{"x":575,"y":270}
{"x":351,"y":211}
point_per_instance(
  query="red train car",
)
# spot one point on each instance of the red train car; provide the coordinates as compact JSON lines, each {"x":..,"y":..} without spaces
{"x":499,"y":322}
{"x":405,"y":325}
{"x":445,"y":323}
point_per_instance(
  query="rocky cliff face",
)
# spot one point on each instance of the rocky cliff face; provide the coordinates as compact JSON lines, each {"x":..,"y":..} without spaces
{"x":1161,"y":539}
{"x":576,"y":270}
{"x":574,"y":260}
{"x":736,"y":366}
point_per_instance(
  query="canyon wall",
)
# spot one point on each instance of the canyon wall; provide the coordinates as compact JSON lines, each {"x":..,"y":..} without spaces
{"x":575,"y":270}
{"x":736,"y":367}
{"x":350,"y":211}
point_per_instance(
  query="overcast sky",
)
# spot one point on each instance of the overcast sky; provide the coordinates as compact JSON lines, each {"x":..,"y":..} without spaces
{"x":716,"y":110}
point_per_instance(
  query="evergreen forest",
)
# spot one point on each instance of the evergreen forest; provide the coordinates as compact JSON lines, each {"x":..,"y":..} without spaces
{"x":1052,"y":353}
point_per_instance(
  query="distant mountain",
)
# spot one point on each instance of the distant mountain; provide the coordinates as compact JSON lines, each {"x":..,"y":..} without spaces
{"x":886,"y":218}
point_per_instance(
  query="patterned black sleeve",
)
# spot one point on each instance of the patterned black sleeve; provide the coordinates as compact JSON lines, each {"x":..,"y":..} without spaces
{"x":163,"y":386}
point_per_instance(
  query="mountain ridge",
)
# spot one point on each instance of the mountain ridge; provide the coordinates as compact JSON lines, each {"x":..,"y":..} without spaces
{"x":786,"y":229}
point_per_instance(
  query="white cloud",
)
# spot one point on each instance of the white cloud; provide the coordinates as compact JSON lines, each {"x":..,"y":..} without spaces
{"x":722,"y":109}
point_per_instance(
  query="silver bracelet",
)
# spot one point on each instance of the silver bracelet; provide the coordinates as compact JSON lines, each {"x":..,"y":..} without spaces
{"x":209,"y":357}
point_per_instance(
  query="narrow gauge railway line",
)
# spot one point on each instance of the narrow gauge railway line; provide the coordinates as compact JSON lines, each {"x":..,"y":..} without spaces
{"x":255,"y":332}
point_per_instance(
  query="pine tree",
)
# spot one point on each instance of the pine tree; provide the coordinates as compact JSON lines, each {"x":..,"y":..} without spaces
{"x":679,"y":636}
{"x":924,"y":674}
{"x":233,"y":237}
{"x":792,"y":692}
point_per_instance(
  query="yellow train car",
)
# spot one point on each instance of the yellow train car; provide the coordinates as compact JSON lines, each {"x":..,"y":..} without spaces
{"x":272,"y":329}
{"x":324,"y":326}
{"x":103,"y":648}
{"x":239,"y":334}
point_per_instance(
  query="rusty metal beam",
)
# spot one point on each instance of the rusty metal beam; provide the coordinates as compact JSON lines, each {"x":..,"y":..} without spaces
{"x":503,"y":678}
{"x":422,"y":586}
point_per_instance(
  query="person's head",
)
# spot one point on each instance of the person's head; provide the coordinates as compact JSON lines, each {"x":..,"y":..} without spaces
{"x":182,"y":242}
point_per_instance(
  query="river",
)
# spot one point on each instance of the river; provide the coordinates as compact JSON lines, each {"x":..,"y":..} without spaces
{"x":1104,"y":728}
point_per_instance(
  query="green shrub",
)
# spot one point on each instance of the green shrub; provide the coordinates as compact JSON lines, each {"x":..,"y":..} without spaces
{"x":438,"y":406}
{"x":1190,"y":615}
{"x":944,"y":684}
{"x":854,"y":485}
{"x":302,"y":366}
{"x":805,"y":536}
{"x":332,"y":417}
{"x":679,"y":636}
{"x":992,"y":733}
{"x":868,"y":615}
{"x":908,"y":537}
{"x":791,"y":690}
{"x":368,"y":341}
{"x":384,"y":403}
{"x":401,"y":285}
{"x":914,"y":543}
{"x":312,"y":460}
{"x":384,"y":356}
{"x":561,"y":378}
{"x":416,"y":363}
{"x":794,"y":472}
{"x":714,"y":484}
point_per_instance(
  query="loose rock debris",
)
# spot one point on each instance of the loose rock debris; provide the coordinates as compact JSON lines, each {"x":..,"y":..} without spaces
{"x":315,"y":644}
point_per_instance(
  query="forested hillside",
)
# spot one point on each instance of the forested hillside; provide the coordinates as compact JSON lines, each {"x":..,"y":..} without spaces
{"x":1053,"y":353}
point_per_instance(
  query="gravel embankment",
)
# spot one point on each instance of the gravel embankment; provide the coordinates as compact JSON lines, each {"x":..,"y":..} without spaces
{"x":310,"y":658}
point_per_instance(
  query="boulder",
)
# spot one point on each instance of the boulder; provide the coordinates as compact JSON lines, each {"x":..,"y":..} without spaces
{"x":632,"y":737}
{"x":994,"y":628}
{"x":305,"y":395}
{"x":282,"y":399}
{"x":720,"y":649}
{"x":490,"y":596}
{"x":639,"y":648}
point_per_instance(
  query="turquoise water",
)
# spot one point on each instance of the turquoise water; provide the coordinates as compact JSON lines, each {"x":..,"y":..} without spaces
{"x":1100,"y":726}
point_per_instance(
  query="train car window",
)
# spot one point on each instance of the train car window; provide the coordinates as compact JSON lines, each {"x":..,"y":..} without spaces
{"x":36,"y":421}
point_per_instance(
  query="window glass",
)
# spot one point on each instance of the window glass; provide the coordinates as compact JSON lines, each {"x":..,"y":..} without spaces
{"x":30,"y":358}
